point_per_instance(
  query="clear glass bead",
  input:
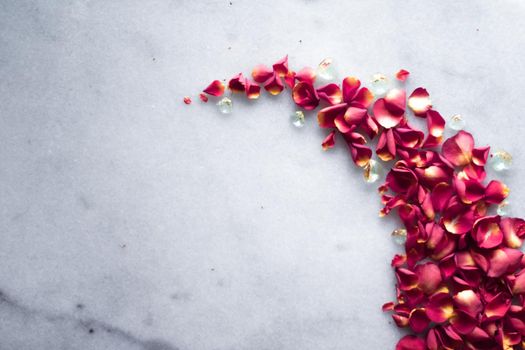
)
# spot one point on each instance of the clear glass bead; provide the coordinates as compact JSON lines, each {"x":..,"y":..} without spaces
{"x":379,"y":85}
{"x":225,"y":105}
{"x":326,"y":70}
{"x":399,"y":236}
{"x":503,"y":209}
{"x":457,"y":122}
{"x":373,"y":171}
{"x":298,"y":119}
{"x":501,"y":160}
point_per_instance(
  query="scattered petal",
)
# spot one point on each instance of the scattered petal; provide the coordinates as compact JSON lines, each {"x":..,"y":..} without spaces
{"x":329,"y":141}
{"x":458,"y":149}
{"x":216,"y":88}
{"x":203,"y":97}
{"x":331,"y":93}
{"x":187,"y":100}
{"x":274,"y":85}
{"x":281,"y":67}
{"x":402,"y":75}
{"x":261,"y":73}
{"x":419,"y":102}
{"x":384,"y":117}
{"x":305,"y":96}
{"x":306,"y":75}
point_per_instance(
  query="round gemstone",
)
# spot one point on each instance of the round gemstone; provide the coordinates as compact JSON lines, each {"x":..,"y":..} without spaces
{"x":373,"y":171}
{"x":503,"y":208}
{"x":225,"y":105}
{"x":379,"y":84}
{"x":457,"y":122}
{"x":298,"y":119}
{"x":501,"y":160}
{"x":399,"y":236}
{"x":326,"y":70}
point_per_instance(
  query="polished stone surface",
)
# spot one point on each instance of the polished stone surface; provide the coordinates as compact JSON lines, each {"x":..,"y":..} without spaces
{"x":130,"y":220}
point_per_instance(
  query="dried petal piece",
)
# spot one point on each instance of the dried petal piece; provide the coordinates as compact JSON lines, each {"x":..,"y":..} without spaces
{"x":306,"y":75}
{"x":496,"y":192}
{"x":252,"y":90}
{"x":435,"y":123}
{"x":429,"y":277}
{"x":395,"y":101}
{"x":281,"y":67}
{"x":326,"y":116}
{"x":350,"y":88}
{"x":513,"y":231}
{"x":458,"y":149}
{"x":330,"y":93}
{"x":402,"y":75}
{"x":305,"y":96}
{"x":237,"y":83}
{"x":419,"y":102}
{"x":519,"y":283}
{"x":462,"y":322}
{"x":203,"y":97}
{"x":487,"y":233}
{"x":439,"y":307}
{"x":418,"y":320}
{"x":329,"y":141}
{"x":216,"y":88}
{"x":480,"y":155}
{"x":411,"y":342}
{"x":187,"y":100}
{"x":384,"y":117}
{"x":261,"y":73}
{"x":274,"y":85}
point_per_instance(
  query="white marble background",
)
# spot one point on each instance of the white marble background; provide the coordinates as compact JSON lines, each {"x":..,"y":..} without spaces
{"x":131,"y":221}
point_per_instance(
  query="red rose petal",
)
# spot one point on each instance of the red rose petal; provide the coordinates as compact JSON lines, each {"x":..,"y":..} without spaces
{"x":402,"y":75}
{"x":326,"y":116}
{"x":386,"y":146}
{"x":363,"y":98}
{"x":306,"y":75}
{"x":330,"y":93}
{"x":395,"y":101}
{"x":513,"y":231}
{"x":469,"y":302}
{"x":499,"y":263}
{"x":305,"y":96}
{"x":429,"y":277}
{"x":497,"y":307}
{"x":261,"y":73}
{"x":419,"y":102}
{"x":519,"y":284}
{"x":350,"y":88}
{"x":411,"y":342}
{"x":480,"y":155}
{"x":216,"y":88}
{"x":463,"y":323}
{"x":435,"y":123}
{"x":458,"y":149}
{"x":252,"y":90}
{"x":329,"y":141}
{"x":384,"y":117}
{"x":418,"y":320}
{"x":361,"y":154}
{"x":203,"y":97}
{"x":237,"y":83}
{"x":274,"y":85}
{"x":487,"y":233}
{"x":439,"y":307}
{"x":496,"y":192}
{"x":187,"y":100}
{"x":281,"y":66}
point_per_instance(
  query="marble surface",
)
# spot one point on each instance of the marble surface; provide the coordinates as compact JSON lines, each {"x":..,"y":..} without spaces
{"x":132,"y":221}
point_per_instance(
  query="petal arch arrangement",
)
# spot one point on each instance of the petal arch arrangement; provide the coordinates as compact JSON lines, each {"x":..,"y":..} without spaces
{"x":461,"y":281}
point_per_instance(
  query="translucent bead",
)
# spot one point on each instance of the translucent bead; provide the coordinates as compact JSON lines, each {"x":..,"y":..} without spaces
{"x":225,"y":105}
{"x":326,"y":70}
{"x":399,"y":236}
{"x":503,"y":208}
{"x":457,"y":122}
{"x":379,"y":84}
{"x":298,"y":119}
{"x":501,"y":160}
{"x":373,"y":171}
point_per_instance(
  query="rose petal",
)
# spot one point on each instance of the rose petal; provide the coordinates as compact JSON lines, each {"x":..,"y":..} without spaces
{"x":355,"y":115}
{"x":429,"y":277}
{"x":274,"y":85}
{"x":203,"y":97}
{"x":370,"y":126}
{"x":513,"y":231}
{"x":402,"y":75}
{"x":462,"y":322}
{"x":305,"y":96}
{"x":326,"y":116}
{"x":458,"y":219}
{"x":253,"y":91}
{"x":401,"y":180}
{"x":418,"y":320}
{"x":187,"y":100}
{"x":419,"y":102}
{"x":329,"y":141}
{"x":384,"y":117}
{"x":469,"y":302}
{"x":395,"y":101}
{"x":237,"y":83}
{"x":499,"y":263}
{"x":350,"y":87}
{"x":342,"y":125}
{"x":480,"y":155}
{"x":363,"y":98}
{"x":388,"y":306}
{"x":519,"y":284}
{"x":411,"y":342}
{"x":216,"y":88}
{"x":406,"y":279}
{"x":361,"y":154}
{"x":496,"y":192}
{"x":306,"y":75}
{"x":261,"y":73}
{"x":487,"y":233}
{"x":386,"y":146}
{"x":497,"y":307}
{"x":441,"y":194}
{"x":439,"y":307}
{"x":281,"y":66}
{"x":435,"y":123}
{"x":330,"y":93}
{"x":289,"y":79}
{"x":458,"y":149}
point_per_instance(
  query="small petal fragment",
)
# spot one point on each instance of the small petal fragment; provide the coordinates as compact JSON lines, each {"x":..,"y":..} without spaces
{"x":203,"y":97}
{"x":261,"y":73}
{"x":187,"y":100}
{"x":216,"y":88}
{"x":411,"y":342}
{"x":329,"y":141}
{"x":402,"y":75}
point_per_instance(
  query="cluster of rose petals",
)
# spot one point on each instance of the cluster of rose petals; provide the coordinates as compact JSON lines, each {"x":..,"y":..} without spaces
{"x":461,"y":280}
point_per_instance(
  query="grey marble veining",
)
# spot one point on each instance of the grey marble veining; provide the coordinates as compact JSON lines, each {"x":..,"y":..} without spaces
{"x":132,"y":221}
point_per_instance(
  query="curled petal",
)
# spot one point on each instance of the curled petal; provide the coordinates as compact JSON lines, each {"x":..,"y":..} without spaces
{"x":342,"y":125}
{"x":253,"y":91}
{"x":306,"y":75}
{"x":429,"y":277}
{"x":274,"y":85}
{"x":411,"y":342}
{"x":370,"y":126}
{"x":487,"y":233}
{"x":305,"y":96}
{"x":435,"y":123}
{"x":441,"y":194}
{"x":496,"y":192}
{"x":388,"y":306}
{"x":457,"y":219}
{"x":419,"y":102}
{"x":401,"y":180}
{"x":361,"y":154}
{"x":326,"y":116}
{"x":355,"y":115}
{"x":480,"y":155}
{"x":458,"y":149}
{"x":469,"y":191}
{"x":261,"y":73}
{"x":330,"y":93}
{"x":402,"y":75}
{"x":386,"y":146}
{"x":289,"y":79}
{"x":406,"y":279}
{"x":439,"y":307}
{"x":418,"y":320}
{"x":462,"y":322}
{"x":408,"y":137}
{"x":384,"y":117}
{"x":281,"y":67}
{"x":363,"y":98}
{"x":513,"y":231}
{"x":237,"y":83}
{"x":432,"y":176}
{"x":398,"y":260}
{"x":497,"y":307}
{"x":350,"y":88}
{"x":216,"y":88}
{"x":329,"y":141}
{"x":474,"y":172}
{"x":468,"y":302}
{"x":499,"y":263}
{"x":395,"y":101}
